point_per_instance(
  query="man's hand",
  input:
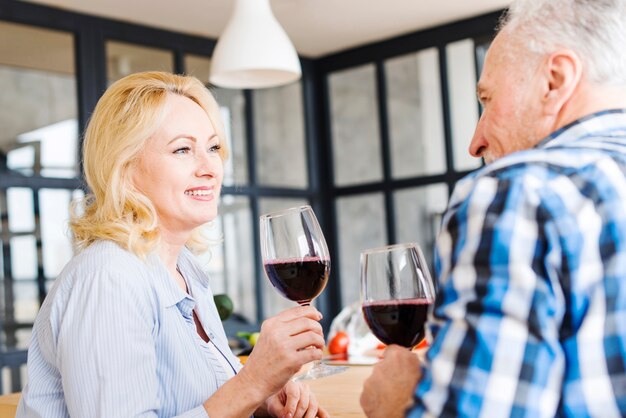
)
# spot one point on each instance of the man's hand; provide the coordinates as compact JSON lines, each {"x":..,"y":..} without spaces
{"x":388,"y":392}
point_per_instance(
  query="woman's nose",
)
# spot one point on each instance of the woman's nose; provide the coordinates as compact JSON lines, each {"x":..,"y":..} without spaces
{"x":206,"y":164}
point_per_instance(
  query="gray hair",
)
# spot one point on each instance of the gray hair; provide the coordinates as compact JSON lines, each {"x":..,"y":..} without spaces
{"x":595,"y":29}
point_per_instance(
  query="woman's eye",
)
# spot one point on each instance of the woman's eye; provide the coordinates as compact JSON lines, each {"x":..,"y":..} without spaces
{"x":215,"y":148}
{"x":182,"y":150}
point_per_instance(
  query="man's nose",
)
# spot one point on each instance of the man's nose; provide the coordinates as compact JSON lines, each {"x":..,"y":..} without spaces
{"x":479,"y":143}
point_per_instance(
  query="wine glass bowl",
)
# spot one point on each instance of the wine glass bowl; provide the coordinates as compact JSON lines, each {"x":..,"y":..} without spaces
{"x":294,"y":252}
{"x":396,"y":293}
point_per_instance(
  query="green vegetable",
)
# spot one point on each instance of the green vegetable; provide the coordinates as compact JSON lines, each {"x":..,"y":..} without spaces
{"x":224,"y":305}
{"x":253,"y":338}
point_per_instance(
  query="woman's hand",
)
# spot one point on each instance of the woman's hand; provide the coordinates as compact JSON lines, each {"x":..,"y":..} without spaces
{"x":287,"y":341}
{"x":295,"y":400}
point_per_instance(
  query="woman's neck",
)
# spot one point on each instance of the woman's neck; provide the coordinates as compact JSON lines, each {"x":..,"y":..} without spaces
{"x":169,"y":250}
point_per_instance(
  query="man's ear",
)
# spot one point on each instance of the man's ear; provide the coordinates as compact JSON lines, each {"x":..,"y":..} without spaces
{"x":563,"y":71}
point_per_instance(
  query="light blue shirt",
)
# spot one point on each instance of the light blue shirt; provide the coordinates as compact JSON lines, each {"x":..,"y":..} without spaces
{"x":115,"y":338}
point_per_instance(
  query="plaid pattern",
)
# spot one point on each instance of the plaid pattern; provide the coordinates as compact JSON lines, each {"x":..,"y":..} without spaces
{"x":530,"y":317}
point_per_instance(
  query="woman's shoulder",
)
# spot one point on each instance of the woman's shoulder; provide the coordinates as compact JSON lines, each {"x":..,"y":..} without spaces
{"x":104,"y":250}
{"x":102,"y":273}
{"x":106,"y":261}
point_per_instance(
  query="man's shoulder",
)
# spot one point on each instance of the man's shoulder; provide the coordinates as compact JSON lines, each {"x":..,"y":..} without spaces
{"x":525,"y":170}
{"x":541,"y":174}
{"x":548,"y":163}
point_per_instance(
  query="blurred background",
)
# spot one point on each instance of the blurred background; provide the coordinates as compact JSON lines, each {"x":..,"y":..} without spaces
{"x":374,"y":135}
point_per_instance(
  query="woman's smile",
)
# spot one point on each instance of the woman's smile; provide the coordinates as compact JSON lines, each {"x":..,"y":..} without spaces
{"x":201,"y":193}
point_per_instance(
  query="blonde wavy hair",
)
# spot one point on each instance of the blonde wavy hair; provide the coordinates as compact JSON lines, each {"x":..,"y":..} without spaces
{"x":126,"y":116}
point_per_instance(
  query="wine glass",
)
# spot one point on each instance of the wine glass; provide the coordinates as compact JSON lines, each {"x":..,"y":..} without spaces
{"x":396,"y":293}
{"x":297,"y":263}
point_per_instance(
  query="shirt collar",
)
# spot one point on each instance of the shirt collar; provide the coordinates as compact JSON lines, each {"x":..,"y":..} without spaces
{"x":610,"y":122}
{"x":166,"y":288}
{"x":194,"y":276}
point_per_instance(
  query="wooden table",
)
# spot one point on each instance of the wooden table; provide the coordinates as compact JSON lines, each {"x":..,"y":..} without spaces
{"x":339,"y":394}
{"x":8,"y":405}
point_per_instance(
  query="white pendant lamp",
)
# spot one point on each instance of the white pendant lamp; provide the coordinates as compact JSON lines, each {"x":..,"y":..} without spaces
{"x":254,"y":51}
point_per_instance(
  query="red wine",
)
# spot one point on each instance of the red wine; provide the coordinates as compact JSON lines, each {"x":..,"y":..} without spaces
{"x":397,"y":321}
{"x":299,"y":280}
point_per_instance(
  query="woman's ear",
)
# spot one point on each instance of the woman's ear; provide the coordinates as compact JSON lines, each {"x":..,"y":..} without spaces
{"x":563,"y":71}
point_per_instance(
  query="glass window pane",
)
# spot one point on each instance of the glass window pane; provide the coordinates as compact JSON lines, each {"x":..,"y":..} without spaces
{"x":232,"y":104}
{"x":25,"y":301}
{"x":24,"y":257}
{"x":462,"y":80}
{"x":55,"y":239}
{"x":361,"y":224}
{"x":279,"y":136}
{"x":23,"y":337}
{"x":415,"y":114}
{"x":38,"y":101}
{"x":125,"y":58}
{"x":198,"y":66}
{"x":21,"y":212}
{"x":273,"y":302}
{"x":4,"y":221}
{"x":355,"y":126}
{"x":418,"y":216}
{"x":230,"y":261}
{"x":481,"y":53}
{"x":272,"y":204}
{"x":13,"y":378}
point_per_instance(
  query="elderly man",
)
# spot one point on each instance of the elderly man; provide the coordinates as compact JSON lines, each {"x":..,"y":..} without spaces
{"x":530,"y":317}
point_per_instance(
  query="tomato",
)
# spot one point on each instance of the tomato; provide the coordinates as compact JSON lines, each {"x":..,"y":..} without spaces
{"x":339,"y":343}
{"x":422,"y":344}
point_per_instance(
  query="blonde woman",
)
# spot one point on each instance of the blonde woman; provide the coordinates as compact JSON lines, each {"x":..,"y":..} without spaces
{"x":129,"y":328}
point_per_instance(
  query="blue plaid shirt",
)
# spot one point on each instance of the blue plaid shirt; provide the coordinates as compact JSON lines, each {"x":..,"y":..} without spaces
{"x":530,"y":317}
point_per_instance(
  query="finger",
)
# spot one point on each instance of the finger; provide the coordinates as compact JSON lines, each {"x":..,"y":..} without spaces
{"x":393,"y":350}
{"x":378,"y":371}
{"x":305,"y":340}
{"x":292,"y":392}
{"x":274,"y":406}
{"x":366,"y":395}
{"x":322,"y":413}
{"x":299,"y":312}
{"x":281,"y":333}
{"x":300,"y":325}
{"x":313,"y":408}
{"x":305,"y":356}
{"x":303,"y":403}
